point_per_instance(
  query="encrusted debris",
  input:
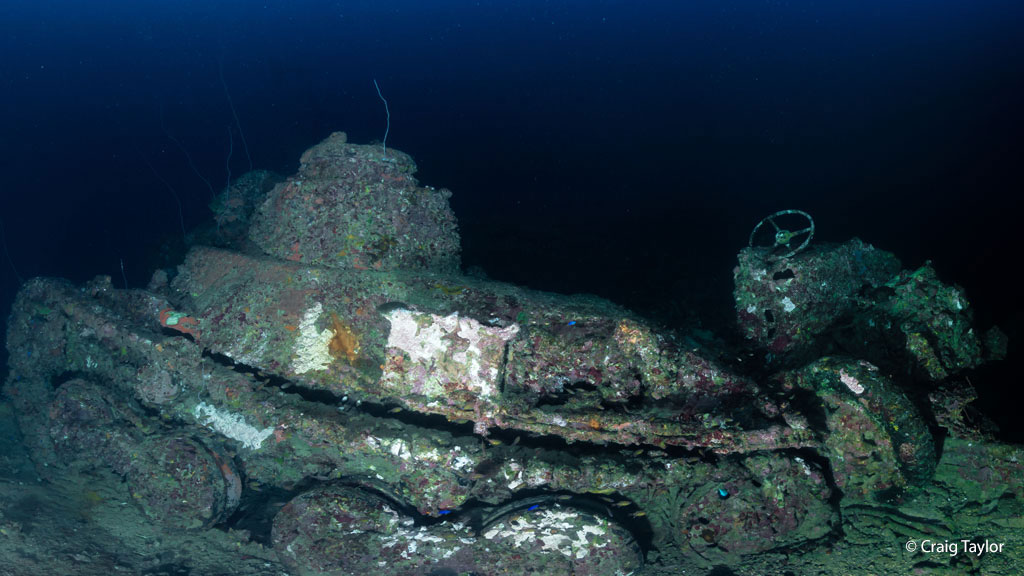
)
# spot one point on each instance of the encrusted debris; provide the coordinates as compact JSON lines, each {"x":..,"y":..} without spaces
{"x":381,"y":411}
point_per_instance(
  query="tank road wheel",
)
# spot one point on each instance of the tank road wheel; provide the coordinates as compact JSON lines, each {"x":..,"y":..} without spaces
{"x":349,"y":530}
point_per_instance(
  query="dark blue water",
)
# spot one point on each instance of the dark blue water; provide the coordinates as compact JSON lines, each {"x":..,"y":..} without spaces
{"x":618,"y":148}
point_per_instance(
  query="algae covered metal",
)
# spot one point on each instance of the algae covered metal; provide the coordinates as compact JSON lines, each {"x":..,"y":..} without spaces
{"x":333,"y":378}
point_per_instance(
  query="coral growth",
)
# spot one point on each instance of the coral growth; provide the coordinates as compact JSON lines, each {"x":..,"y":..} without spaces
{"x":312,"y":349}
{"x":344,"y":342}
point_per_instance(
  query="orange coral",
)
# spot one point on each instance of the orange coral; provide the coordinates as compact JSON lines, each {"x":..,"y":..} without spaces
{"x":344,"y":342}
{"x":180,"y":322}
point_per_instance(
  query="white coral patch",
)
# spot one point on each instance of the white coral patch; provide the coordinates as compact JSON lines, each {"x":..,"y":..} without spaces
{"x":231,"y":425}
{"x":427,"y":340}
{"x":312,"y":350}
{"x":410,"y":538}
{"x":851,"y":382}
{"x":558,"y":531}
{"x":461,"y":462}
{"x":398,"y":447}
{"x":419,"y":343}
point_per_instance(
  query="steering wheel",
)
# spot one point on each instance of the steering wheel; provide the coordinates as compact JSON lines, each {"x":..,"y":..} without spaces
{"x":783,"y":238}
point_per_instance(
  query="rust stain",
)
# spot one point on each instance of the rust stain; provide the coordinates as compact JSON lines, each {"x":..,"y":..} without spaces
{"x":344,"y":343}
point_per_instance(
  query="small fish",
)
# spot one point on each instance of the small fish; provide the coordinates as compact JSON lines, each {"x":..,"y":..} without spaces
{"x":572,"y":323}
{"x":623,"y":503}
{"x":638,"y":452}
{"x":564,"y":497}
{"x":391,"y":307}
{"x":444,"y":512}
{"x":394,"y":410}
{"x":494,"y":442}
{"x":532,"y":508}
{"x":486,"y":468}
{"x":638,"y":514}
{"x":723,"y":493}
{"x":607,"y":499}
{"x":516,"y":441}
{"x":604,"y":491}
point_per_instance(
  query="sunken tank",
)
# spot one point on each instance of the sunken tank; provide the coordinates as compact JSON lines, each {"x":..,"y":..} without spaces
{"x":417,"y":420}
